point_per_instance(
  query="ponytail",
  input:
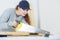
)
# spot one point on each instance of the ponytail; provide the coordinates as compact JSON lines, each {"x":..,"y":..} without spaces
{"x":27,"y":19}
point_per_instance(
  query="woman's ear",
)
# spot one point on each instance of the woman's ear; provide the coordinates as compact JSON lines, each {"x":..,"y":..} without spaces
{"x":18,"y":8}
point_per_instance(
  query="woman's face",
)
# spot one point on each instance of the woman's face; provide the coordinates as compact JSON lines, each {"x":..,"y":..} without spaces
{"x":22,"y":12}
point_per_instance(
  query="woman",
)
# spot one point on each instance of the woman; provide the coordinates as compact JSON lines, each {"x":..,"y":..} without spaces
{"x":8,"y":20}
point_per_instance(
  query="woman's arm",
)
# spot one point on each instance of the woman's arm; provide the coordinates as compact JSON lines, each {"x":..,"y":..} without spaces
{"x":23,"y":21}
{"x":4,"y":24}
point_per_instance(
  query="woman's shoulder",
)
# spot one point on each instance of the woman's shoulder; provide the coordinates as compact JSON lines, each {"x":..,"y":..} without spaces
{"x":10,"y":9}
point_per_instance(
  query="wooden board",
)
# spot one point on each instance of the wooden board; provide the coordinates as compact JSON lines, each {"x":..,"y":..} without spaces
{"x":21,"y":34}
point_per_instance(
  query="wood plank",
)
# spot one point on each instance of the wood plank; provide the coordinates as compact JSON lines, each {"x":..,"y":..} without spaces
{"x":14,"y":33}
{"x":21,"y":34}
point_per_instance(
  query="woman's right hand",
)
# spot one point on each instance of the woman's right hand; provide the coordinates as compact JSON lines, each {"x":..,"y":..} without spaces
{"x":14,"y":23}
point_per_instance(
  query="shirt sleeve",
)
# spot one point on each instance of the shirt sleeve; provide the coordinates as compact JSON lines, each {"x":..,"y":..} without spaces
{"x":4,"y":24}
{"x":23,"y":21}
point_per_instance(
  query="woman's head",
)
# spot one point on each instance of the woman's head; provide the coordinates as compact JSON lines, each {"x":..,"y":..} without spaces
{"x":23,"y":7}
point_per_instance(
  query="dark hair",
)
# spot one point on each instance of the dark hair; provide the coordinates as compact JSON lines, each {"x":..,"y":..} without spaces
{"x":24,"y":5}
{"x":26,"y":17}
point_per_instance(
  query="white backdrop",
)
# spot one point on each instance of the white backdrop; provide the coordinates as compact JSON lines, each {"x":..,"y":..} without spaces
{"x":50,"y":15}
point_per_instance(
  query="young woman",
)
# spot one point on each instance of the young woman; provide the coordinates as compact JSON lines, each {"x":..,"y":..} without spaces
{"x":8,"y":20}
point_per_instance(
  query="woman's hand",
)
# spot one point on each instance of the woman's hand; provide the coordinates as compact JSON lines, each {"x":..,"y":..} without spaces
{"x":14,"y":24}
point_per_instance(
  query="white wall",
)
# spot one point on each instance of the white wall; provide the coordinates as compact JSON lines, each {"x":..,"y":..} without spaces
{"x":50,"y":15}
